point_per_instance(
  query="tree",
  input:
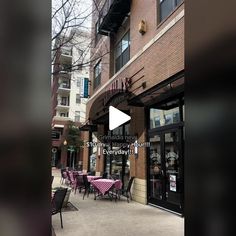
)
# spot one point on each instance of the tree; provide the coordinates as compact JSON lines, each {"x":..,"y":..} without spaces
{"x":73,"y":136}
{"x":72,"y":142}
{"x":71,"y":19}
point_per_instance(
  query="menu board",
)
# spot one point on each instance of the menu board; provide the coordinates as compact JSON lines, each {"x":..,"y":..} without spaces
{"x":172,"y":180}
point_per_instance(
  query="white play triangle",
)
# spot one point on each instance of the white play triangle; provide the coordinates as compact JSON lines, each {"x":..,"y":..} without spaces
{"x":116,"y":118}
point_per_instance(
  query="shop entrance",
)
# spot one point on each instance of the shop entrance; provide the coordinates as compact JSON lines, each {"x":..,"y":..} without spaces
{"x":165,"y":169}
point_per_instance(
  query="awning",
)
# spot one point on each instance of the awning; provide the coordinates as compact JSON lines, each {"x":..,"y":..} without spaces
{"x":88,"y":127}
{"x":170,"y":88}
{"x":58,"y":126}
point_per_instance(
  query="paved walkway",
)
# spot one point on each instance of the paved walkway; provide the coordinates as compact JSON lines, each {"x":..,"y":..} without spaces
{"x":104,"y":217}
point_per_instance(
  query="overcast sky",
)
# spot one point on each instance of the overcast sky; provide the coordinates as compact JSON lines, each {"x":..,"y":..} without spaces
{"x":83,"y":7}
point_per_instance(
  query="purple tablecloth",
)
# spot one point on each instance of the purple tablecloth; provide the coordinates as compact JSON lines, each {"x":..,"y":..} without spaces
{"x":104,"y":185}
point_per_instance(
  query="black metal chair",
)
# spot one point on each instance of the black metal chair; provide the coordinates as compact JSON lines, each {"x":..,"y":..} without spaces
{"x":79,"y":183}
{"x":127,"y":192}
{"x":86,"y":186}
{"x":104,"y":175}
{"x":63,"y":178}
{"x":57,"y":202}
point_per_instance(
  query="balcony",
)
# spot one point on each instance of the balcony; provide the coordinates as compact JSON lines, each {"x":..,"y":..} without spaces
{"x":65,"y":69}
{"x":66,"y":56}
{"x":112,"y":15}
{"x":66,"y":51}
{"x":64,"y":88}
{"x":61,"y":118}
{"x":62,"y":103}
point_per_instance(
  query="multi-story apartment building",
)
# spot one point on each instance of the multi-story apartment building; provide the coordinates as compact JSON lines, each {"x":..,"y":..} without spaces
{"x":69,"y":92}
{"x":138,"y":57}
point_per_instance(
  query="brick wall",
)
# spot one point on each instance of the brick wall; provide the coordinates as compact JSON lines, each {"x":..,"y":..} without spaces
{"x":163,"y":58}
{"x":154,"y":57}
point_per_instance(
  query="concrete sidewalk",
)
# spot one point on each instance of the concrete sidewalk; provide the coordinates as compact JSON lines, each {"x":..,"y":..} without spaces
{"x":104,"y":217}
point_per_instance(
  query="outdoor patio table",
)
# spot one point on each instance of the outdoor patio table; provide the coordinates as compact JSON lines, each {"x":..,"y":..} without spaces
{"x":104,"y":185}
{"x":92,"y":177}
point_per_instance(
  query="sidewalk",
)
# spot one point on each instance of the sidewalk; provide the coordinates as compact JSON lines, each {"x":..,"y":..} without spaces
{"x":105,"y":217}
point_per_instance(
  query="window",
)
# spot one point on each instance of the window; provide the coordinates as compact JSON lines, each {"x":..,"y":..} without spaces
{"x":160,"y":117}
{"x":64,"y":101}
{"x":65,"y":67}
{"x":78,"y":82}
{"x":97,"y":75}
{"x":167,"y":6}
{"x":77,"y":116}
{"x":65,"y":84}
{"x":78,"y":99}
{"x":63,"y":114}
{"x":122,"y":52}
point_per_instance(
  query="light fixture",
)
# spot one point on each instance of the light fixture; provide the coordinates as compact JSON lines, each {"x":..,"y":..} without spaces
{"x":142,"y":27}
{"x":65,"y":142}
{"x":136,"y":148}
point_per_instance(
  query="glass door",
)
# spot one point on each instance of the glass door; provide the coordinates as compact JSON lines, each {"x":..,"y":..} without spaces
{"x":165,"y":172}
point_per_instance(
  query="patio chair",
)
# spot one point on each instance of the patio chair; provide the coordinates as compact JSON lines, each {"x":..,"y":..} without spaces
{"x":63,"y":175}
{"x":127,"y":192}
{"x":71,"y":179}
{"x":79,"y":183}
{"x":57,"y":202}
{"x":104,"y":176}
{"x":86,"y":186}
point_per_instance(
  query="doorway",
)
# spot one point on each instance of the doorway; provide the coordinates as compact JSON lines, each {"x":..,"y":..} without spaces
{"x":165,"y":168}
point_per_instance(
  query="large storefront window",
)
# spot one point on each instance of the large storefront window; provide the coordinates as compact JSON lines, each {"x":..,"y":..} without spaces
{"x":92,"y":158}
{"x":118,"y":165}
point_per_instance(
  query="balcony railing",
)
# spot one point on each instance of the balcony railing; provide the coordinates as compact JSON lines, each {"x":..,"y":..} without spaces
{"x":64,"y":104}
{"x":112,"y":15}
{"x":65,"y":68}
{"x":64,"y":86}
{"x":66,"y":52}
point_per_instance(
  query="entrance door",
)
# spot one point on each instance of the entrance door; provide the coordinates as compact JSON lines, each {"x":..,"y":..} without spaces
{"x":165,"y":172}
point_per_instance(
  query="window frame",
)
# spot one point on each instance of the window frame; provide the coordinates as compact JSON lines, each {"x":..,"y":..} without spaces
{"x":122,"y":54}
{"x":78,"y":99}
{"x":97,"y":78}
{"x":175,"y":4}
{"x":97,"y":36}
{"x":77,"y":114}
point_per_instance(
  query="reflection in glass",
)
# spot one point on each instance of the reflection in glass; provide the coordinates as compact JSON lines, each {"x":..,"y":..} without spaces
{"x":163,"y":117}
{"x":172,"y":167}
{"x":155,"y":167}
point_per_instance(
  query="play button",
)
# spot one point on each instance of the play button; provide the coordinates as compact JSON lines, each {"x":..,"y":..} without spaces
{"x":116,"y":118}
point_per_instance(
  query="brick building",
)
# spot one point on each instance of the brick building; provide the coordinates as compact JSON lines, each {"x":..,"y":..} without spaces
{"x":138,"y":57}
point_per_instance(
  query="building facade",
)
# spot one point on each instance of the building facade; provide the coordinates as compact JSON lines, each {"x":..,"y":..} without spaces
{"x":138,"y":67}
{"x":69,"y":95}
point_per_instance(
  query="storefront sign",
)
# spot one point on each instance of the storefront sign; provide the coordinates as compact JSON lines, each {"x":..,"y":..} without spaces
{"x":172,"y":180}
{"x":119,"y":86}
